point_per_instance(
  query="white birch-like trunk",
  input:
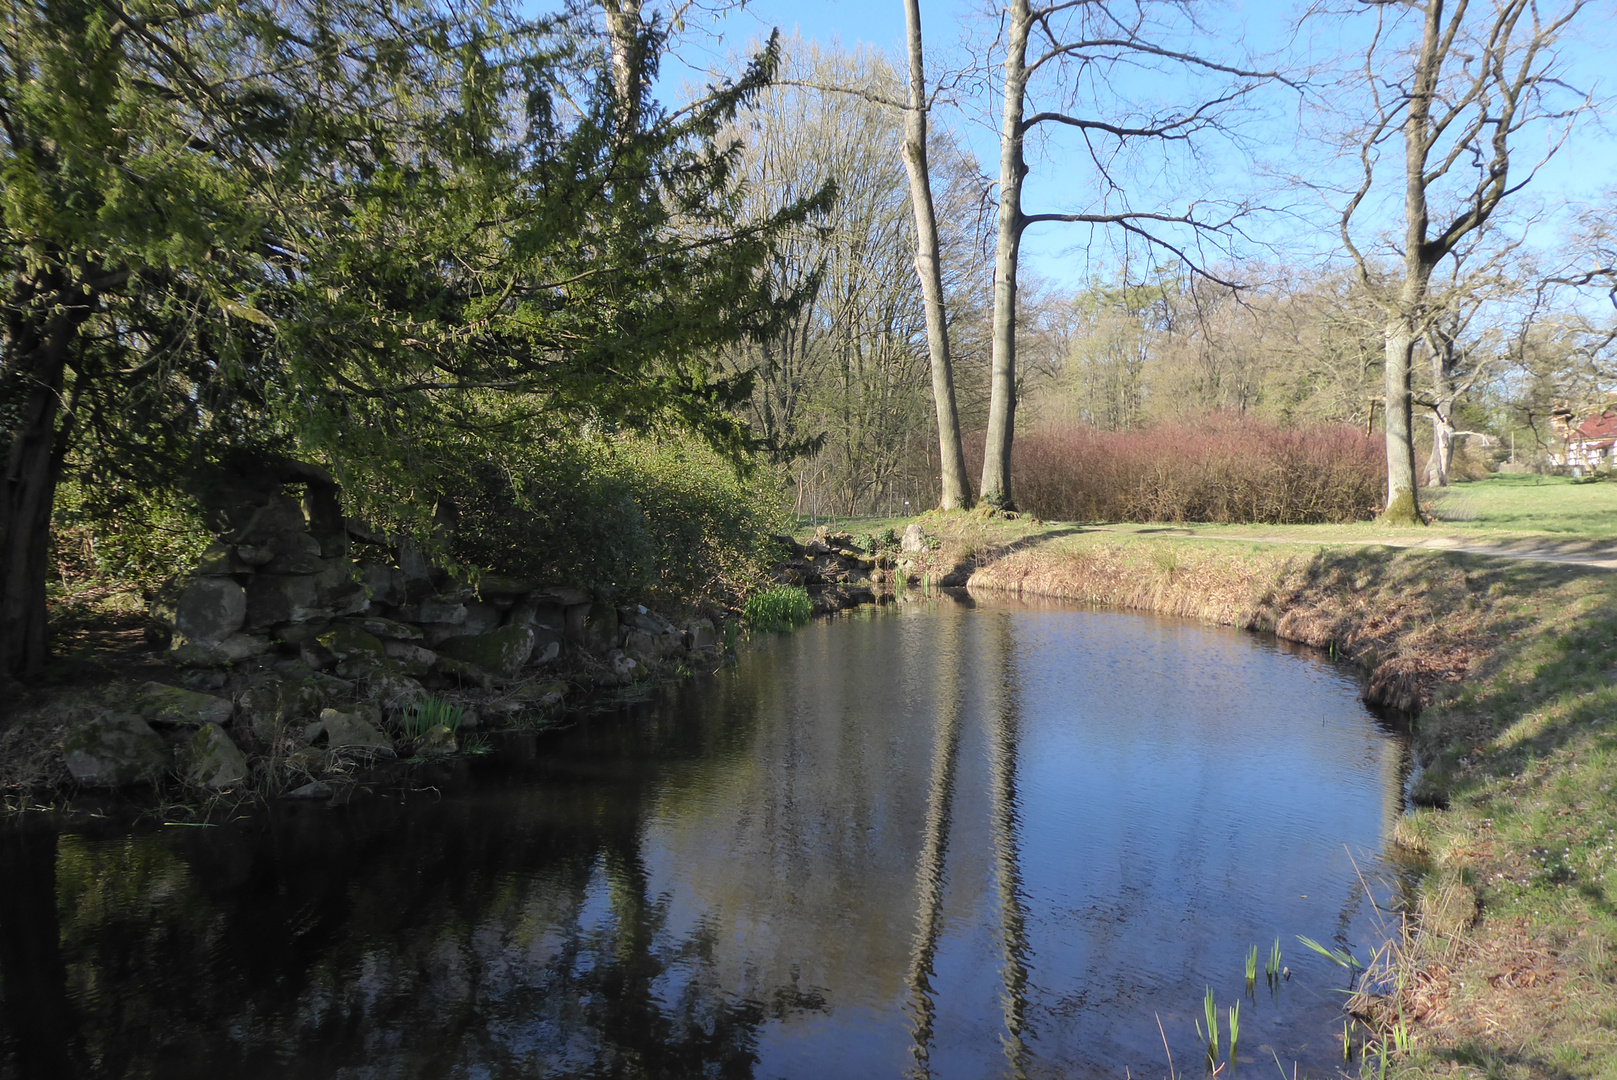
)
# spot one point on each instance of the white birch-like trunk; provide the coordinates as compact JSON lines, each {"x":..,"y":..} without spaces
{"x":996,"y":481}
{"x":955,"y":494}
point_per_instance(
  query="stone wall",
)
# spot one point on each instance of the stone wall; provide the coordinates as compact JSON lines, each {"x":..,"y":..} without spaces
{"x":294,"y":584}
{"x":313,"y":642}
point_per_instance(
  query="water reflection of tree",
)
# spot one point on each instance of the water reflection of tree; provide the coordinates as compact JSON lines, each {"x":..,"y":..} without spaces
{"x":37,"y":1033}
{"x":1005,"y":713}
{"x":341,"y":945}
{"x":949,"y":658}
{"x":1004,"y":710}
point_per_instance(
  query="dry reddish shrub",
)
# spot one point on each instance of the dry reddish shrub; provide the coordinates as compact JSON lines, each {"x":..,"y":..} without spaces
{"x":1217,"y":468}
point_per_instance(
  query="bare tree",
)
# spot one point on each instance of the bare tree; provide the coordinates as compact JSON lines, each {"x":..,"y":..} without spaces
{"x":1098,"y":43}
{"x":1461,"y":92}
{"x":851,"y":373}
{"x":951,"y":455}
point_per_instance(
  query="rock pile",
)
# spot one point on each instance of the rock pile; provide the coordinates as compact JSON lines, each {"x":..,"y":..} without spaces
{"x":312,"y":637}
{"x":836,"y":571}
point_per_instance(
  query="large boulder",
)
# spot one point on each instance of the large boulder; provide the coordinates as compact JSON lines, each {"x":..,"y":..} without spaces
{"x":546,"y":616}
{"x":115,"y":750}
{"x":562,"y":596}
{"x":272,"y":705}
{"x":442,"y":610}
{"x":914,"y":541}
{"x":295,"y":553}
{"x":652,"y":647}
{"x":348,"y":642}
{"x":388,"y":629}
{"x":212,"y":760}
{"x":593,"y":627}
{"x":704,"y":636}
{"x":353,"y":730}
{"x":210,"y":609}
{"x":283,"y":598}
{"x":383,"y":583}
{"x":501,"y":651}
{"x":162,"y":704}
{"x":413,"y":657}
{"x":232,"y":650}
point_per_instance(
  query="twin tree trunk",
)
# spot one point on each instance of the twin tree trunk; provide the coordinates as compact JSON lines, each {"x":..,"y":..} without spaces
{"x":955,"y":494}
{"x":996,"y":482}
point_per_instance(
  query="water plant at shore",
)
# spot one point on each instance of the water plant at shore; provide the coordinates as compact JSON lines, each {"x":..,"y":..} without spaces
{"x":429,"y":714}
{"x":1251,"y":968}
{"x":780,"y":607}
{"x":1339,"y":957}
{"x":1210,"y":1006}
{"x":1272,"y":971}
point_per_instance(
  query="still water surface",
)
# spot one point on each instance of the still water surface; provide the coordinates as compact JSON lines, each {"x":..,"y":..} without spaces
{"x":952,"y":838}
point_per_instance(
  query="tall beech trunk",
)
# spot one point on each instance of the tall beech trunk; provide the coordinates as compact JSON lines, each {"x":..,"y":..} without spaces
{"x":955,"y":494}
{"x":996,"y":481}
{"x":1403,"y":505}
{"x":1493,"y":96}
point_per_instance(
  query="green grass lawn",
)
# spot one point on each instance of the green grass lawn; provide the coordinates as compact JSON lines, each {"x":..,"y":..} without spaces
{"x":1504,"y":510}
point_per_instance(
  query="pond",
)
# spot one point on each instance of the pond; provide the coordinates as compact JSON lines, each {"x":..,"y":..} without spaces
{"x":948,"y":837}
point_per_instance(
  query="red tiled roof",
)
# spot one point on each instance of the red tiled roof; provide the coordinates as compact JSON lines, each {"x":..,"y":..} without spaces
{"x":1602,"y":427}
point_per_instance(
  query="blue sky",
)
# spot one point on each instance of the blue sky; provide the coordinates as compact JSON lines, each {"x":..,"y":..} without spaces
{"x":1065,"y":255}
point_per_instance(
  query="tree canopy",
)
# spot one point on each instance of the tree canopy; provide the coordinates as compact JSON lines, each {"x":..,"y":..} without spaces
{"x":344,"y":230}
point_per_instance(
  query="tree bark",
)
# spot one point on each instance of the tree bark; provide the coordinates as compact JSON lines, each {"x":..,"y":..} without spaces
{"x":1443,"y":398}
{"x":955,"y":494}
{"x":1403,"y":329}
{"x":623,"y":26}
{"x":996,"y":482}
{"x":32,"y":373}
{"x":1403,"y":507}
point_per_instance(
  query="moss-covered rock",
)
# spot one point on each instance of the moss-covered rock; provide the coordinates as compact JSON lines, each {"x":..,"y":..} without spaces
{"x":212,"y":760}
{"x":347,"y":641}
{"x":355,"y":729}
{"x":501,"y":651}
{"x":159,"y":703}
{"x":464,"y":673}
{"x":233,"y":649}
{"x":115,"y":750}
{"x":438,"y":740}
{"x":390,"y":629}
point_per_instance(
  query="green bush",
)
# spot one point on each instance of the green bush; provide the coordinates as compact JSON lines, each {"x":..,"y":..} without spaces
{"x":111,"y":534}
{"x":622,"y":516}
{"x":780,"y":607}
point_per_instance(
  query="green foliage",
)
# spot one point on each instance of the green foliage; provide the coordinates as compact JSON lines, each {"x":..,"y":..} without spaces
{"x":881,"y":540}
{"x":780,"y":607}
{"x":667,"y":520}
{"x":356,"y":233}
{"x":429,"y":714}
{"x":119,"y":534}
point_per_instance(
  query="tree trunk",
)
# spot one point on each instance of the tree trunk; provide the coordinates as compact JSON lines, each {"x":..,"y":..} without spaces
{"x":996,"y":482}
{"x":623,"y":28}
{"x":955,"y":494}
{"x":1442,"y":455}
{"x":35,"y":366}
{"x":1403,"y":502}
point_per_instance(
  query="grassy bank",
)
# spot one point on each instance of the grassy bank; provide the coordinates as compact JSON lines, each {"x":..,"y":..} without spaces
{"x":1510,"y":968}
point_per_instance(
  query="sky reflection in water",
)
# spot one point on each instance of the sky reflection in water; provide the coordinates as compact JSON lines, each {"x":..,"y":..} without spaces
{"x":951,"y":838}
